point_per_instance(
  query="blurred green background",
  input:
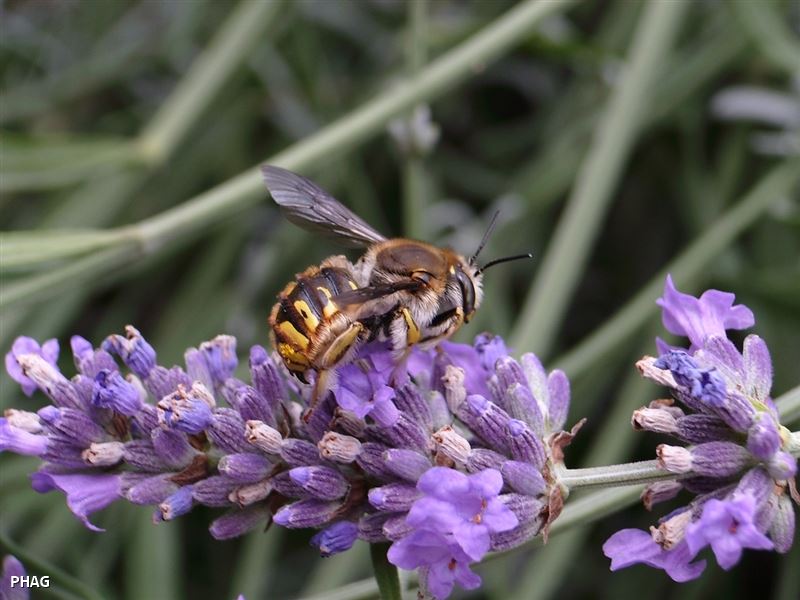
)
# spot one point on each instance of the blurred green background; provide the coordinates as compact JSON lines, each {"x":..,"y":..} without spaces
{"x":618,"y":139}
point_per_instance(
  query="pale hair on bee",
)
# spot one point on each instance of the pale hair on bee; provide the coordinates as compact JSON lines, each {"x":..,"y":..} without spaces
{"x":405,"y":291}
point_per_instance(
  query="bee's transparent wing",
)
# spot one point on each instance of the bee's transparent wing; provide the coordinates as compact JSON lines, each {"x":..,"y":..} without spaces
{"x":309,"y":206}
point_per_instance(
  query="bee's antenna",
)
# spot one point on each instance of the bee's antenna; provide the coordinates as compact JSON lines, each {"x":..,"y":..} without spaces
{"x":485,"y":238}
{"x":497,"y":261}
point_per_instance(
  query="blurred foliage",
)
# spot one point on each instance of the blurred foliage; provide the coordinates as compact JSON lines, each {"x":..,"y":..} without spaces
{"x":84,"y":85}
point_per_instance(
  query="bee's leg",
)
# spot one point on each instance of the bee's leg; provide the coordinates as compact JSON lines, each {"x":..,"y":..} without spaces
{"x":404,"y":334}
{"x":339,"y":349}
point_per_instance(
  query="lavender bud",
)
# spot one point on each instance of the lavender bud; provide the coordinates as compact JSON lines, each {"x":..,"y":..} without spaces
{"x":737,"y":412}
{"x":763,"y":439}
{"x":134,"y":351}
{"x":370,"y":459}
{"x":187,"y":411}
{"x":395,"y":527}
{"x":104,"y":454}
{"x":489,"y":421}
{"x":177,"y":504}
{"x":73,"y":424}
{"x":714,"y":459}
{"x":299,"y":453}
{"x":63,"y":452}
{"x":87,"y":361}
{"x":410,"y":401}
{"x":145,"y":421}
{"x":782,"y":465}
{"x":113,"y":392}
{"x":451,"y":445}
{"x":521,"y":404}
{"x":758,"y":484}
{"x":321,"y":482}
{"x":537,"y":379}
{"x":523,"y":478}
{"x":406,"y":464}
{"x":306,"y":513}
{"x":172,"y":447}
{"x":654,"y":419}
{"x":339,"y":448}
{"x":19,"y":441}
{"x":267,"y":378}
{"x":370,"y":527}
{"x":508,"y":372}
{"x":454,"y":391}
{"x":227,"y":431}
{"x":349,"y":422}
{"x":404,"y":433}
{"x":152,"y":490}
{"x":671,"y":531}
{"x":335,"y":538}
{"x":701,"y":428}
{"x":440,"y":415}
{"x":285,"y":486}
{"x":162,"y":382}
{"x":675,"y":459}
{"x":24,"y":420}
{"x":215,"y":360}
{"x":214,"y":490}
{"x":248,"y":401}
{"x":239,"y":522}
{"x":559,"y":393}
{"x":263,"y":437}
{"x":50,"y":381}
{"x":394,"y":497}
{"x":248,"y":494}
{"x":506,"y":540}
{"x":245,"y":468}
{"x":142,"y":455}
{"x":781,"y":530}
{"x":660,"y":491}
{"x":527,"y":509}
{"x":384,"y":412}
{"x":524,"y":444}
{"x":483,"y":458}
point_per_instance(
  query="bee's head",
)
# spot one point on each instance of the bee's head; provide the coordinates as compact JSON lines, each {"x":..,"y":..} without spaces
{"x":467,"y":278}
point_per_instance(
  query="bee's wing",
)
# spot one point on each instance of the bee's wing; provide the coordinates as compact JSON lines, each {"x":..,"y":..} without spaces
{"x":376,"y":292}
{"x":306,"y":204}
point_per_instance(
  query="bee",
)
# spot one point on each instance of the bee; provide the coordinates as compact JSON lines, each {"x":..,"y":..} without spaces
{"x":405,"y":291}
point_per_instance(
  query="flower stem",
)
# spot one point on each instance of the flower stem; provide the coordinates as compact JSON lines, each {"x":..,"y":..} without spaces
{"x":789,"y":405}
{"x":385,"y":573}
{"x":569,"y":248}
{"x":206,"y":76}
{"x":645,"y":471}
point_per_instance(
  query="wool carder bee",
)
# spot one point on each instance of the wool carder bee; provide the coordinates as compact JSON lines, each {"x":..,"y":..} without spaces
{"x":405,"y":291}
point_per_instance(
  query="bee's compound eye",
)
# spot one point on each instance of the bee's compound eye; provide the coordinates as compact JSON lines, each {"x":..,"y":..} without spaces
{"x":422,"y":276}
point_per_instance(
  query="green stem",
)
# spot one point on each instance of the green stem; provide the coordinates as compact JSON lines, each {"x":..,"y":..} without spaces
{"x":770,"y":32}
{"x":207,"y":75}
{"x":57,"y":576}
{"x":688,"y":264}
{"x":385,"y":573}
{"x":584,"y":215}
{"x":789,"y":405}
{"x":645,"y":471}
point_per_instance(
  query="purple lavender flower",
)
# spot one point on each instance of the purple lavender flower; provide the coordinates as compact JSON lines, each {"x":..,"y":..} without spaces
{"x":25,"y":345}
{"x":445,"y":455}
{"x":698,"y":318}
{"x":10,"y":588}
{"x":85,"y":493}
{"x":736,"y":460}
{"x":631,"y":546}
{"x":728,"y":526}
